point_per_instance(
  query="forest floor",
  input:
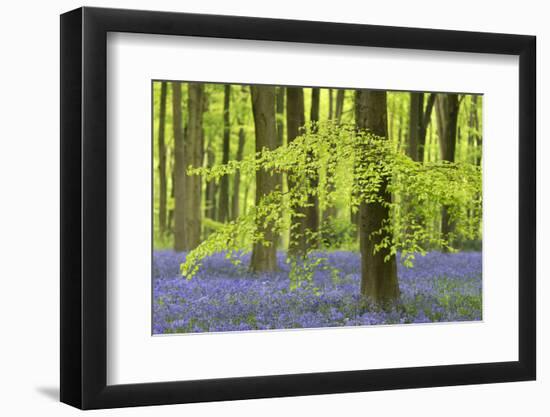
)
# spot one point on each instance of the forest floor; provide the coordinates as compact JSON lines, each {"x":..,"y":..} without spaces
{"x":224,"y":297}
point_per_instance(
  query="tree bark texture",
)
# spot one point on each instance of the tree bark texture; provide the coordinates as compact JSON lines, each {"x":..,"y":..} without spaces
{"x":237,"y":177}
{"x":162,"y":159}
{"x":189,"y":153}
{"x":378,"y":276}
{"x":211,"y":187}
{"x":447,"y":106}
{"x":295,"y":121}
{"x":223,"y":207}
{"x":312,"y":211}
{"x":264,"y":254}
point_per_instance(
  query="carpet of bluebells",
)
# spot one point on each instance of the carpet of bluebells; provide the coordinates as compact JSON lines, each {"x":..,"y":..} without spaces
{"x":224,"y":297}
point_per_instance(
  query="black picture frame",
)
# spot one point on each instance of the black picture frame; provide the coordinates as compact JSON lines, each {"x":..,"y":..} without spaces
{"x":84,"y":207}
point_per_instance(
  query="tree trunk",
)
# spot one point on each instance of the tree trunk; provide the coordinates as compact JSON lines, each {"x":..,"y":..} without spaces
{"x":162,"y":159}
{"x":335,"y":114}
{"x":330,"y":104}
{"x":189,"y":153}
{"x":211,"y":187}
{"x":312,"y":211}
{"x":415,"y":123}
{"x":180,"y":243}
{"x":339,"y":108}
{"x":447,"y":106}
{"x":264,"y":254}
{"x":478,"y":135}
{"x":378,"y":276}
{"x":280,"y":109}
{"x":237,"y":176}
{"x":172,"y":158}
{"x":474,"y":138}
{"x":426,"y":118}
{"x":295,"y":120}
{"x":223,"y":207}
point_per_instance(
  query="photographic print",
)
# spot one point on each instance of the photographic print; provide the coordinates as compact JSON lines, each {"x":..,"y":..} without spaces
{"x":290,"y":207}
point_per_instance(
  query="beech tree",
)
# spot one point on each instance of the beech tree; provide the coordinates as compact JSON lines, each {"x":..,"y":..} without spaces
{"x":378,"y":267}
{"x":264,"y":254}
{"x":330,"y":164}
{"x":189,"y":153}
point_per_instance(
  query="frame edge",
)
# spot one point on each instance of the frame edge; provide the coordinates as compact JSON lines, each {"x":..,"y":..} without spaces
{"x":70,"y":214}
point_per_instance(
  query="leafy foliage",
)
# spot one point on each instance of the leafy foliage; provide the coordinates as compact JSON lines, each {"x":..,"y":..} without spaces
{"x":358,"y":162}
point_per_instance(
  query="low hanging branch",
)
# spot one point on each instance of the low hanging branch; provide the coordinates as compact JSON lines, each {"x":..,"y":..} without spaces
{"x":425,"y":186}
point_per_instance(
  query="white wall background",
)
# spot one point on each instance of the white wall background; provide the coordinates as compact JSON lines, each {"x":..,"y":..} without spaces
{"x":29,"y":225}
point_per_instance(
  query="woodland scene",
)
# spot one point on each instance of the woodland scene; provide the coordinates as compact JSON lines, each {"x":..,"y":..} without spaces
{"x":279,"y":207}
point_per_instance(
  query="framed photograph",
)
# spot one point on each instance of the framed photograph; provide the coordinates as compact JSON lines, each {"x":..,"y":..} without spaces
{"x":256,"y":208}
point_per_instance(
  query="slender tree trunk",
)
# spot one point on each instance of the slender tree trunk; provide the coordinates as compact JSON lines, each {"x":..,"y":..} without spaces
{"x":479,"y":137}
{"x":180,"y":234}
{"x":211,"y":187}
{"x":237,"y":176}
{"x":354,"y":211}
{"x":378,"y":276}
{"x":223,"y":213}
{"x":447,"y":106}
{"x":415,"y":123}
{"x":330,"y":104}
{"x":280,"y":109}
{"x":162,"y":159}
{"x":426,"y":118}
{"x":335,"y":114}
{"x":264,"y":254}
{"x":295,"y":120}
{"x":312,"y":211}
{"x":339,"y":107}
{"x":474,"y":138}
{"x":315,"y":103}
{"x":171,"y":226}
{"x":419,"y":119}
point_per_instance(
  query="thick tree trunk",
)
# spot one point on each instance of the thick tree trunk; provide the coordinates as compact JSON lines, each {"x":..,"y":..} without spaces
{"x":378,"y":276}
{"x":295,"y":120}
{"x":223,"y":208}
{"x":237,"y":177}
{"x":264,"y":254}
{"x":189,"y":152}
{"x":162,"y":159}
{"x":447,"y":106}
